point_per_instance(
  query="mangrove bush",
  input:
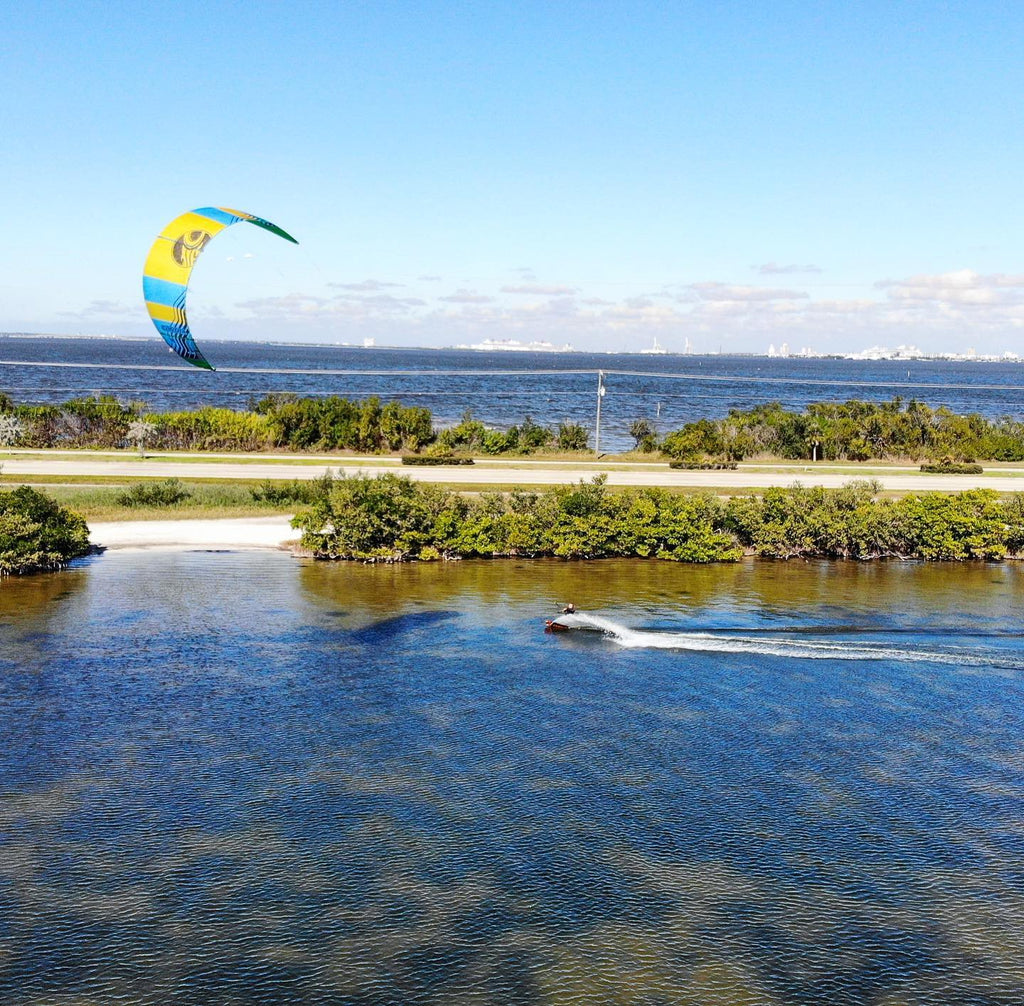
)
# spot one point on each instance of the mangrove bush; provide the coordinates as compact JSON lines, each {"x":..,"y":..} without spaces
{"x":37,"y":533}
{"x":392,"y":518}
{"x":852,"y":430}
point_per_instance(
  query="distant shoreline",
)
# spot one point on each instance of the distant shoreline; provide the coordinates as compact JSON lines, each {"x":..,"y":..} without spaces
{"x":861,"y":356}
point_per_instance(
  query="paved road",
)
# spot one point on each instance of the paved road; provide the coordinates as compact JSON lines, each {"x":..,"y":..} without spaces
{"x":758,"y":477}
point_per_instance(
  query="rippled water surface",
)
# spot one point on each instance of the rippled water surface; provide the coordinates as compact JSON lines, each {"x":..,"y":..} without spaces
{"x":248,"y":779}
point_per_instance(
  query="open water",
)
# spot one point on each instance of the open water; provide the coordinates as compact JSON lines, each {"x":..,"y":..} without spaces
{"x":249,"y":779}
{"x":500,"y":388}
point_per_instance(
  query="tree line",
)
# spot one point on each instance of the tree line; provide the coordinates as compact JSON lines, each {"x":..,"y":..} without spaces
{"x":391,"y":518}
{"x":276,"y":421}
{"x":826,"y":431}
{"x":281,"y":422}
{"x":852,"y":431}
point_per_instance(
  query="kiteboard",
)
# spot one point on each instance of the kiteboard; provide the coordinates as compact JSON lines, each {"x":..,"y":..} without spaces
{"x":567,"y":621}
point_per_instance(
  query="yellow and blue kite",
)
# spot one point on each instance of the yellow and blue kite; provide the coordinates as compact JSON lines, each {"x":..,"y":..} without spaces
{"x":169,"y":265}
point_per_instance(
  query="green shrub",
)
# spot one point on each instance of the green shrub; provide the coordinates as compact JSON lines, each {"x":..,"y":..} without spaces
{"x":644,"y":435}
{"x":571,"y":437}
{"x":167,"y":492}
{"x":387,"y":518}
{"x":853,"y":430}
{"x":333,"y":423}
{"x":952,"y":468}
{"x":391,"y":518}
{"x":704,"y":465}
{"x":849,"y":523}
{"x":294,"y":491}
{"x":37,"y":533}
{"x":695,"y":440}
{"x":435,"y":459}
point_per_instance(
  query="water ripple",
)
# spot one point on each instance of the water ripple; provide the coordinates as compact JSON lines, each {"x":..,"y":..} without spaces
{"x":428,"y":801}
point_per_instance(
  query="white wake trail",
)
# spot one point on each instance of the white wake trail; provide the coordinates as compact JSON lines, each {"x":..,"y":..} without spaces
{"x":707,"y":642}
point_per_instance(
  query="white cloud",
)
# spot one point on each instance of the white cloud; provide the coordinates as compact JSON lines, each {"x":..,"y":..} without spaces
{"x":387,"y":302}
{"x":963,"y":288}
{"x":712,"y":291}
{"x":100,"y":308}
{"x":942,"y":311}
{"x":463,"y":296}
{"x":367,"y":285}
{"x":540,"y":289}
{"x":774,"y":269}
{"x":291,"y":306}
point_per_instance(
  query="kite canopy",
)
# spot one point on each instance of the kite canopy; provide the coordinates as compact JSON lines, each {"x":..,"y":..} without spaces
{"x":169,"y":266}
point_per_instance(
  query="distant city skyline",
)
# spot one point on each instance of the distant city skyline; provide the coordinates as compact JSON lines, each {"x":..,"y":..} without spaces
{"x":814,"y":174}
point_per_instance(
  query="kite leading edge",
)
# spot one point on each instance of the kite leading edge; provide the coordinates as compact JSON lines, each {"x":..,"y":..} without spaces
{"x":169,"y":265}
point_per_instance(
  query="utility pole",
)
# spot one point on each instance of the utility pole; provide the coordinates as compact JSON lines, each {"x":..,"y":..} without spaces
{"x":597,"y":429}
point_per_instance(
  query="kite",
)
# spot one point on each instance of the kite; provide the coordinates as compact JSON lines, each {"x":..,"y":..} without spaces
{"x":169,"y":265}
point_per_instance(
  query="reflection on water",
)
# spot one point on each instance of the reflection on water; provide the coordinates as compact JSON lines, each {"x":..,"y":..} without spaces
{"x":247,"y":779}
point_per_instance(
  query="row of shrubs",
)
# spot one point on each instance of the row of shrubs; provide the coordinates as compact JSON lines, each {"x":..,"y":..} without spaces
{"x":391,"y":518}
{"x":852,"y":431}
{"x":946,"y":467}
{"x":282,"y":422}
{"x":173,"y":492}
{"x":278,"y":421}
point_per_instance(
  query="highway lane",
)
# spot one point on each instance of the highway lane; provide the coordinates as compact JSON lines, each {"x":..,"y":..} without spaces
{"x":753,"y":477}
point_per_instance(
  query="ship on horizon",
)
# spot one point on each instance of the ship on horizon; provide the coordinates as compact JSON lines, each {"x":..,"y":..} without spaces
{"x":515,"y":346}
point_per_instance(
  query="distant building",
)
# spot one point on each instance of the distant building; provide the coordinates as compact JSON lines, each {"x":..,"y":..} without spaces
{"x":655,"y":350}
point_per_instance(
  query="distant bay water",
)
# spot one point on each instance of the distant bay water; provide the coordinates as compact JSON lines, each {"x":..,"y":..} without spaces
{"x":500,"y":388}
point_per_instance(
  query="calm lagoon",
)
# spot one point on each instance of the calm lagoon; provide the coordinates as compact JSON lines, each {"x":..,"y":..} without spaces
{"x":246,"y":778}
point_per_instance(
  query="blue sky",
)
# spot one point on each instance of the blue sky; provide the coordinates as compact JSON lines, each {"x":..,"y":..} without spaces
{"x":830,"y":175}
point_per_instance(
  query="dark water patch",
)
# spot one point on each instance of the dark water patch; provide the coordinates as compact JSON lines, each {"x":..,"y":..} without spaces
{"x":389,"y":629}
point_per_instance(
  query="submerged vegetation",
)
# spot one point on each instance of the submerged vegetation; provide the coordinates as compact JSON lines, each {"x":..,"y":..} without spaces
{"x":391,"y":518}
{"x":37,"y":533}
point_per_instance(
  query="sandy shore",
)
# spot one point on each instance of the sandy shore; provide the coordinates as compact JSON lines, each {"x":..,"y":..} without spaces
{"x":234,"y":533}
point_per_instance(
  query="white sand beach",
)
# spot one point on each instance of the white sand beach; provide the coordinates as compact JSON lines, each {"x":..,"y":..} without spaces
{"x":231,"y":533}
